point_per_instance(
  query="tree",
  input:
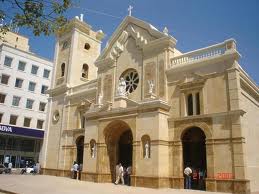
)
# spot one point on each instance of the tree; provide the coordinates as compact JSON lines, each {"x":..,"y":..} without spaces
{"x":42,"y":16}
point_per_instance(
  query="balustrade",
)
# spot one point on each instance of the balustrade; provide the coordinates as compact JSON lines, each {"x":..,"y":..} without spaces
{"x":204,"y":53}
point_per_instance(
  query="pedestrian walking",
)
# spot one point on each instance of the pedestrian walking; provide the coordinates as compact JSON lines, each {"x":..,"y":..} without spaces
{"x":75,"y":170}
{"x":120,"y":175}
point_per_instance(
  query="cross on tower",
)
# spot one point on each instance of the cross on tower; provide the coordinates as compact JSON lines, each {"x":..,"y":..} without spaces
{"x":129,"y":9}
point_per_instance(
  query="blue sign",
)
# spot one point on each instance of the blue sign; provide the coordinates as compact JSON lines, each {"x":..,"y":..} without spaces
{"x":21,"y":131}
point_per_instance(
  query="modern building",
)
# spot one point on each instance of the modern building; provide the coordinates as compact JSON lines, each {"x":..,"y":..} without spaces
{"x":145,"y":104}
{"x":24,"y":79}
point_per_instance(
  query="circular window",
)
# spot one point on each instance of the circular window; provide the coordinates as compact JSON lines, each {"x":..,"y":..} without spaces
{"x":132,"y":79}
{"x":87,"y":46}
{"x":56,"y":116}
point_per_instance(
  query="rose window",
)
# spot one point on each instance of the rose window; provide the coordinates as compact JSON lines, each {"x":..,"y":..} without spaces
{"x":132,"y":79}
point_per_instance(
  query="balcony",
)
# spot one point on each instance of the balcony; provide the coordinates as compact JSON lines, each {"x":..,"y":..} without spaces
{"x":228,"y":46}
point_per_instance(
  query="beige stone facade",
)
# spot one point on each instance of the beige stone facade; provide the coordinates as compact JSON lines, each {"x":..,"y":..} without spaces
{"x":198,"y":108}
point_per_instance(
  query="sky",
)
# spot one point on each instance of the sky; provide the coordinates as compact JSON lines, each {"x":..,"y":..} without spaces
{"x":194,"y":23}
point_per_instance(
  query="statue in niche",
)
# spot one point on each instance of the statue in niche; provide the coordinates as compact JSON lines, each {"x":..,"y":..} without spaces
{"x":147,"y":150}
{"x":100,"y":99}
{"x":93,"y":150}
{"x":122,"y":87}
{"x":151,"y":86}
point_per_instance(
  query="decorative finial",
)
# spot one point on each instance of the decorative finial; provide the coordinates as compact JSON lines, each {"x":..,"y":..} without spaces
{"x":130,"y":9}
{"x":165,"y":31}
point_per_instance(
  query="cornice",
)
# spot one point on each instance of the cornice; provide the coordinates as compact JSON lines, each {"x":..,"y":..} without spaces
{"x":58,"y":90}
{"x":202,"y":116}
{"x":163,"y":42}
{"x":144,"y":106}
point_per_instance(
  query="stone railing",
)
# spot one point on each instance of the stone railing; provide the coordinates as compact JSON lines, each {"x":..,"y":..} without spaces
{"x":204,"y":53}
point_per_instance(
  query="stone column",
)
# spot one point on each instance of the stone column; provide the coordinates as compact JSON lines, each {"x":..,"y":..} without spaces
{"x":194,"y":103}
{"x":210,"y":180}
{"x":135,"y":157}
{"x":103,"y":163}
{"x":178,"y":165}
{"x":237,"y":136}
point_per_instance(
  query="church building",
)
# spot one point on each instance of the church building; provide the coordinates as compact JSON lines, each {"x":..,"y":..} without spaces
{"x":143,"y":103}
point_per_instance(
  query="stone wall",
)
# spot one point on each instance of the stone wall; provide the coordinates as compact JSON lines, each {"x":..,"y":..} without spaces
{"x":250,"y":123}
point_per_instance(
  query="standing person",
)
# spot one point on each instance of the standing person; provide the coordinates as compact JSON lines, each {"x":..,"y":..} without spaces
{"x":10,"y":166}
{"x":188,"y":173}
{"x":195,"y":178}
{"x":80,"y":168}
{"x":201,"y":179}
{"x":38,"y":167}
{"x":120,"y":175}
{"x":75,"y":170}
{"x":129,"y":173}
{"x":125,"y":176}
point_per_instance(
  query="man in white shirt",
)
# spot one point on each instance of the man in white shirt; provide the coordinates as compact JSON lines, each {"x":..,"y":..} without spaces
{"x":188,"y":173}
{"x":120,"y":175}
{"x":10,"y":166}
{"x":75,"y":169}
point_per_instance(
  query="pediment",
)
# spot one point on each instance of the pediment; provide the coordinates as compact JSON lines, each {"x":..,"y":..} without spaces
{"x":143,"y":33}
{"x":192,"y":80}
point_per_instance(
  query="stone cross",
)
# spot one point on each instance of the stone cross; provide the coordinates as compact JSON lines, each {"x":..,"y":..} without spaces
{"x":130,"y":9}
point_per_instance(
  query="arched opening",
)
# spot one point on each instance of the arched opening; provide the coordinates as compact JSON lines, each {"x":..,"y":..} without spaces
{"x":119,"y":138}
{"x":85,"y":71}
{"x":194,"y":156}
{"x":80,"y":150}
{"x":63,"y":69}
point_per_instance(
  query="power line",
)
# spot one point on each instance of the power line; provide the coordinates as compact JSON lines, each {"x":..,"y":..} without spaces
{"x":97,"y":12}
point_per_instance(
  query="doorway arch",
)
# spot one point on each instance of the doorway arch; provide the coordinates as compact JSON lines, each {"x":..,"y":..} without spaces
{"x":80,"y":150}
{"x":194,"y":155}
{"x":118,"y":139}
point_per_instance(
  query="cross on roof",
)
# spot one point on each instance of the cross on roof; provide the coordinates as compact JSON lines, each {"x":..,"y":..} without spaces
{"x":129,"y":9}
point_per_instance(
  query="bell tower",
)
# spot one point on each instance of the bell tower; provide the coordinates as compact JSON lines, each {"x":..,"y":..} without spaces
{"x":77,"y":47}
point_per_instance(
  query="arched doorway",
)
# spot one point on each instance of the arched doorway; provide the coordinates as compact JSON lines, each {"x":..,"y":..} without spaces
{"x":194,"y":156}
{"x":80,"y":150}
{"x":125,"y":149}
{"x":118,"y":138}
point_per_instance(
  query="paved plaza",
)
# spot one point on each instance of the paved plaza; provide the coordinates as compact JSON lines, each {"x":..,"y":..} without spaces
{"x":42,"y":184}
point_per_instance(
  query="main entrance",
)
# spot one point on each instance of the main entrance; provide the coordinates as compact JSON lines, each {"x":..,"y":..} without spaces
{"x":125,"y":149}
{"x":194,"y":156}
{"x":118,"y":137}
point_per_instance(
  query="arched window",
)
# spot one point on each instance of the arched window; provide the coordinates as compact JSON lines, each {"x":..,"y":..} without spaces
{"x":146,"y":146}
{"x":93,"y":148}
{"x":63,"y":69}
{"x":85,"y":71}
{"x":189,"y":104}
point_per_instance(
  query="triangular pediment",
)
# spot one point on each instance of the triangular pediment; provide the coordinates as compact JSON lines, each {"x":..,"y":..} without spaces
{"x":141,"y":31}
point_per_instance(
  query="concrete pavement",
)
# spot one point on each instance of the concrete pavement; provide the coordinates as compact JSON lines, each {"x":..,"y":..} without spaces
{"x":42,"y":184}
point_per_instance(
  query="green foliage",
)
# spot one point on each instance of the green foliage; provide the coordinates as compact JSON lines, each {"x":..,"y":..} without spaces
{"x":42,"y":16}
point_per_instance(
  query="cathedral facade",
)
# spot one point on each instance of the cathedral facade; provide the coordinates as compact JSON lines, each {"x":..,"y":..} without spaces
{"x":143,"y":103}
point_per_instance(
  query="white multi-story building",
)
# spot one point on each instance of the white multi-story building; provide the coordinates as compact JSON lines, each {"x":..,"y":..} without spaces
{"x":24,"y":78}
